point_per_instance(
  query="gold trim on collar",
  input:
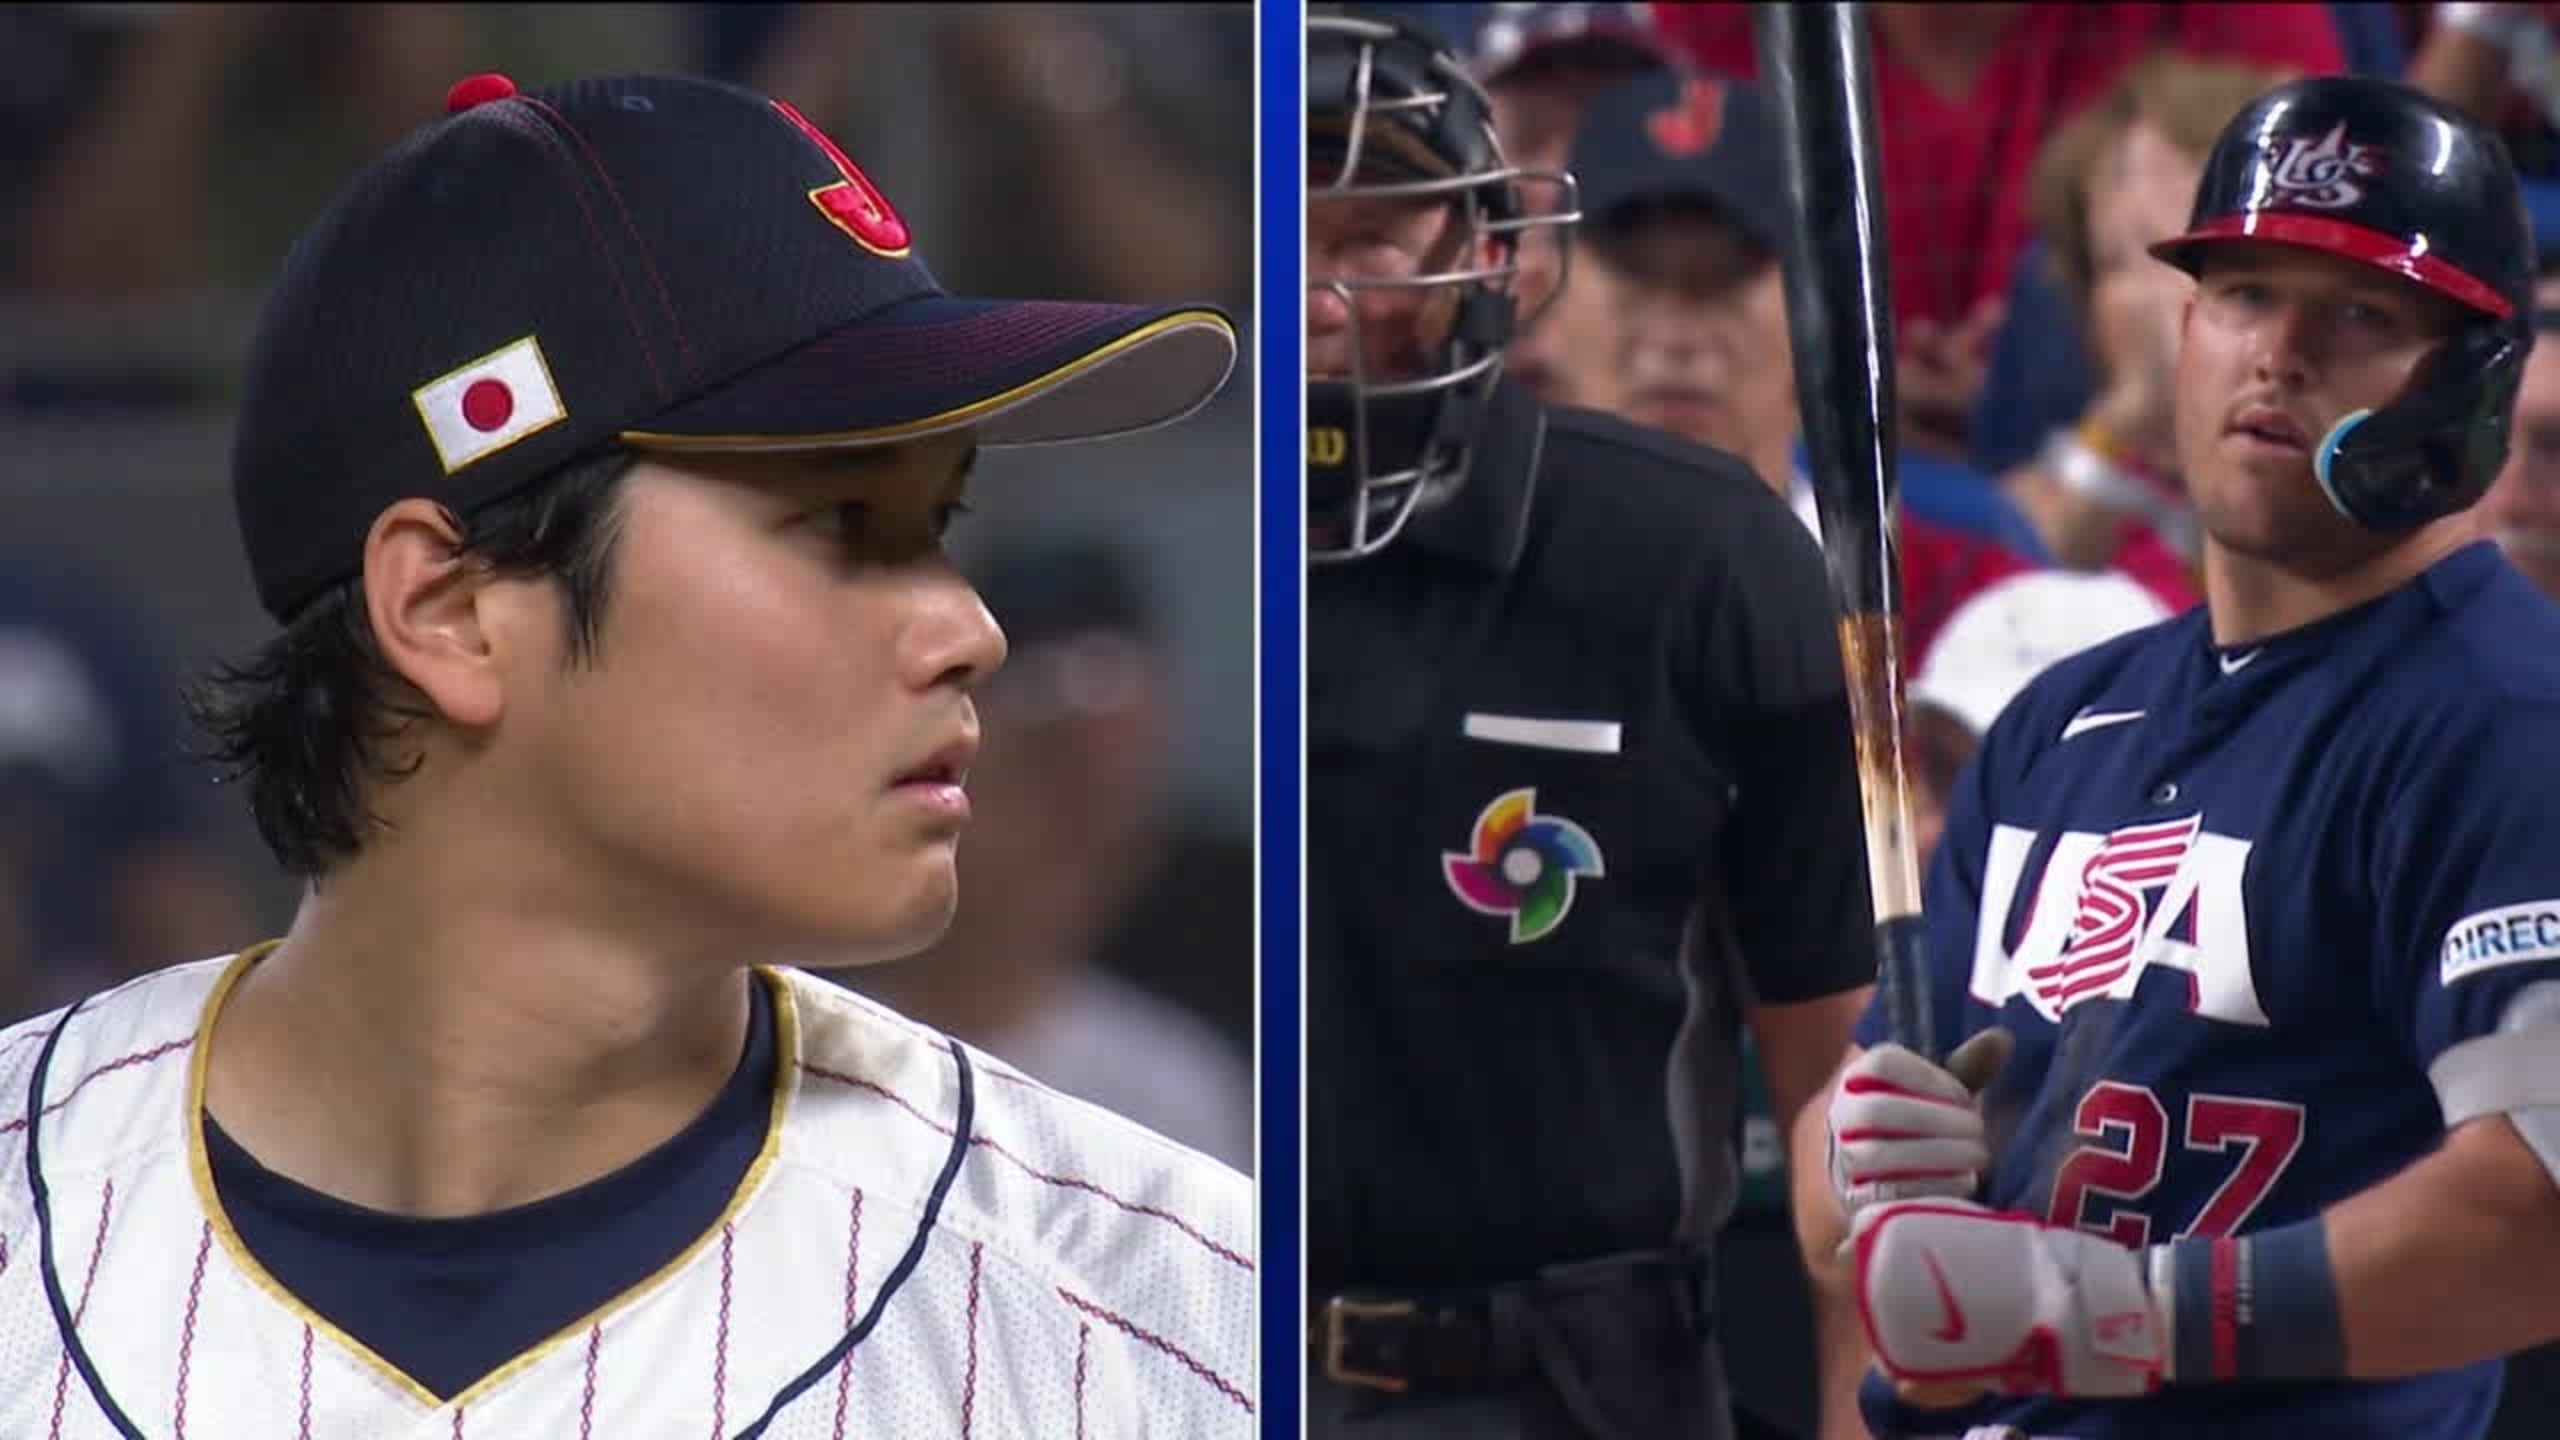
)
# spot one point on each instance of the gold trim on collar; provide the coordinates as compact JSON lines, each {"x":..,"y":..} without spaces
{"x":786,"y":1018}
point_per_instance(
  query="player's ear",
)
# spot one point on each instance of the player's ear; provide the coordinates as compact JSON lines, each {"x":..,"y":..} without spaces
{"x":423,"y":600}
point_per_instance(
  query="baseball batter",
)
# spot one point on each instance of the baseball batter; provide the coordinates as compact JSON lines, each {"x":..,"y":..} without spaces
{"x":595,"y":455}
{"x":2265,"y":898}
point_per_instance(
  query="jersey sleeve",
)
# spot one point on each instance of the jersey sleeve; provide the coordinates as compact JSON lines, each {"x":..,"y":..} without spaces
{"x":1792,"y":859}
{"x":2466,"y":879}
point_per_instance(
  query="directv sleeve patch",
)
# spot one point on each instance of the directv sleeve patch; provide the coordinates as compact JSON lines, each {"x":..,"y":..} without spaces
{"x":2507,"y":936}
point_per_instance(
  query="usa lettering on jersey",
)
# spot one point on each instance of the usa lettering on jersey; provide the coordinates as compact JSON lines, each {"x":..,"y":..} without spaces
{"x":2106,"y":907}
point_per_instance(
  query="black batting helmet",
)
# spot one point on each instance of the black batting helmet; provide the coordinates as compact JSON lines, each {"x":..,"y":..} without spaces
{"x":2385,"y":175}
{"x":1393,"y":115}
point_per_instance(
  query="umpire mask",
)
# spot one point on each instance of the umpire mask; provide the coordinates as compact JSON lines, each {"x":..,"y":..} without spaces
{"x":1395,"y":124}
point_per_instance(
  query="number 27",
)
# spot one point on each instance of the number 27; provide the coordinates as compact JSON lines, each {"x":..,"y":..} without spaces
{"x":2128,"y":1133}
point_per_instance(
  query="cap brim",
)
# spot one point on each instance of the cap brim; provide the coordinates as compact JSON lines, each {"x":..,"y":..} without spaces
{"x":1021,"y":372}
{"x":2342,"y":238}
{"x":1606,"y":197}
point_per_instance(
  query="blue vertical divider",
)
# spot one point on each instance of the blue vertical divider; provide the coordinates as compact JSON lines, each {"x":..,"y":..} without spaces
{"x":1279,"y":329}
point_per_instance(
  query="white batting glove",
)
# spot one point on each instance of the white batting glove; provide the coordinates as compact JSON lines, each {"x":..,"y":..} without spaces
{"x":1953,"y":1293}
{"x":1903,"y":1128}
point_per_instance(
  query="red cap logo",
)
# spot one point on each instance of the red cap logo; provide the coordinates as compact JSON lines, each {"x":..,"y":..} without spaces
{"x":1690,"y":125}
{"x":852,"y":204}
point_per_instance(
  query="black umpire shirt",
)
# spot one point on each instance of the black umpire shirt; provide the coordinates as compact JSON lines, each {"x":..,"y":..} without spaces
{"x":1492,"y":1083}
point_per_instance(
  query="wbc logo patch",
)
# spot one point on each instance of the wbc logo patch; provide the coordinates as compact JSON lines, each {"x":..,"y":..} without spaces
{"x":488,"y":404}
{"x":1522,"y":865}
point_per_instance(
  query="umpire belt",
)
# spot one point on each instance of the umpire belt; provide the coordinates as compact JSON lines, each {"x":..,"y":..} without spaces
{"x":1442,"y":1340}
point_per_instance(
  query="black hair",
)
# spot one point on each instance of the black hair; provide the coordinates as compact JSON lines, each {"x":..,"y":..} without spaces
{"x":305,"y":721}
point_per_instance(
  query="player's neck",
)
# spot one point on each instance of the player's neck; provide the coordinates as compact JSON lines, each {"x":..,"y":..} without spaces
{"x":464,"y":1060}
{"x":2251,"y":598}
{"x":981,"y":996}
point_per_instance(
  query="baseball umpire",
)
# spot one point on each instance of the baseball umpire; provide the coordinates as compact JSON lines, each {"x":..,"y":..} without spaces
{"x":1580,"y":805}
{"x":2265,"y":898}
{"x":595,"y":457}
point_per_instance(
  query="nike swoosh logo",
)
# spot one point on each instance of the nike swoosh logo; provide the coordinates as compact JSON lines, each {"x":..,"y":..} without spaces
{"x":2234,"y":664}
{"x":1953,"y":1331}
{"x":2088,"y":720}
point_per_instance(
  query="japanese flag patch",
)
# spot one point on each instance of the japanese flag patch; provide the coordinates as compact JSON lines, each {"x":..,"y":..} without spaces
{"x":485,"y":405}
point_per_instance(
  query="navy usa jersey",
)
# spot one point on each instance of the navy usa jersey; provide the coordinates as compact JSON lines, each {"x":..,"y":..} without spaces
{"x":2234,"y":905}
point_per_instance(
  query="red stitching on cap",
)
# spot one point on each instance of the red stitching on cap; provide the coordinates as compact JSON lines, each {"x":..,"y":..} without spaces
{"x":595,"y":233}
{"x":638,"y":242}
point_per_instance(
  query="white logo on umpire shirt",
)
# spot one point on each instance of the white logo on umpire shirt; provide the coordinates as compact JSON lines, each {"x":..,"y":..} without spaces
{"x":2506,"y":936}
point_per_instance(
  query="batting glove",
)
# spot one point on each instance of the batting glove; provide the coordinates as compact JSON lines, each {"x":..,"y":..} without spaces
{"x":1953,"y":1293}
{"x":1903,"y":1128}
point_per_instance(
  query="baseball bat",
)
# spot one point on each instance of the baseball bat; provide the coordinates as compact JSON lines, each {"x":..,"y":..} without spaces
{"x":1815,"y":70}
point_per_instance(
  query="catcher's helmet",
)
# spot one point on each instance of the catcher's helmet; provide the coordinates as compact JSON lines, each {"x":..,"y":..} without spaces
{"x":2379,"y":173}
{"x":1393,"y":114}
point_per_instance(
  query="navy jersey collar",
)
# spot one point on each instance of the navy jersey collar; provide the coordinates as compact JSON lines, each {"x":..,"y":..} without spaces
{"x":711,"y":1155}
{"x":2352,"y":638}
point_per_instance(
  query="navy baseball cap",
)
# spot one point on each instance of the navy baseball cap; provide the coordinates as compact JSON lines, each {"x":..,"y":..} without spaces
{"x":661,"y":263}
{"x":1675,"y":137}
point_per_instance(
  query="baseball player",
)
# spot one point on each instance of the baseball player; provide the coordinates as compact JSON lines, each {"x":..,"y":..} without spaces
{"x":2264,"y":899}
{"x":594,"y":456}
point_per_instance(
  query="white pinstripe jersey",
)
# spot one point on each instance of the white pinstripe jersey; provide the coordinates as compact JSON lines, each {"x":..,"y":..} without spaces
{"x":1084,"y":1278}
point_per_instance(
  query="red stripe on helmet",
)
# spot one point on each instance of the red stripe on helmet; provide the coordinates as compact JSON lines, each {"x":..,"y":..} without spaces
{"x":2354,"y":242}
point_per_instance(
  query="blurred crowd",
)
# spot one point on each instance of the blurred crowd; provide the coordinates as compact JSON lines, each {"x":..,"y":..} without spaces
{"x":2029,"y":155}
{"x":155,"y":163}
